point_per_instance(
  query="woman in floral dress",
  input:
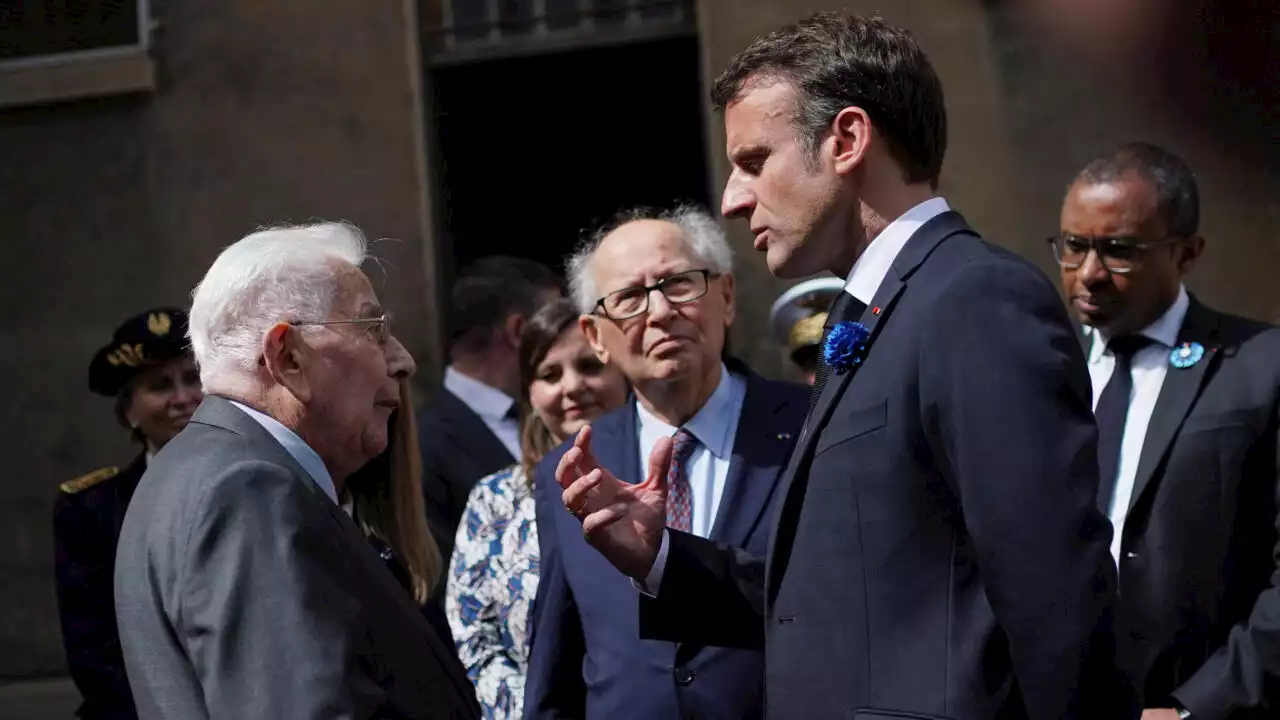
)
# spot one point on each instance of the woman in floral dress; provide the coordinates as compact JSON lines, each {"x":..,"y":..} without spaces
{"x":493,"y":575}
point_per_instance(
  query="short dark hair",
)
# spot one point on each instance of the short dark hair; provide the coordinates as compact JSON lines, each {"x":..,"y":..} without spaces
{"x":836,"y":60}
{"x":1177,"y":196}
{"x":490,"y":290}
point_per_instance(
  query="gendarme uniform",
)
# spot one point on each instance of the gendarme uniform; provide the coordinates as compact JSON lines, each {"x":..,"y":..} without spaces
{"x":798,"y":316}
{"x":87,"y":517}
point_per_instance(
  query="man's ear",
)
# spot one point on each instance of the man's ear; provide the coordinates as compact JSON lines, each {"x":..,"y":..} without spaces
{"x":1189,"y":253}
{"x":285,"y":357}
{"x":726,"y":289}
{"x":850,"y":139}
{"x":589,"y":324}
{"x":511,"y":330}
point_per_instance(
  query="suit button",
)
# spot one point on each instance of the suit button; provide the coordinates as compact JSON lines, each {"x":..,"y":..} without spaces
{"x":683,"y":675}
{"x":1130,"y":555}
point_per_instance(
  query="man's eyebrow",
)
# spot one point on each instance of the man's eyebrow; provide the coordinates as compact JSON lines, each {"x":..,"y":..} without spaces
{"x":371,"y":309}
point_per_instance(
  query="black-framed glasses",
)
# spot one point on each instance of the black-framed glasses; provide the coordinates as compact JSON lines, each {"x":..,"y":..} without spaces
{"x":678,"y":289}
{"x":379,"y":327}
{"x":1117,"y":254}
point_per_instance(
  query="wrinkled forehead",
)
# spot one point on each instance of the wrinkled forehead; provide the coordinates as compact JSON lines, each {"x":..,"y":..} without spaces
{"x":640,"y":252}
{"x":355,"y":294}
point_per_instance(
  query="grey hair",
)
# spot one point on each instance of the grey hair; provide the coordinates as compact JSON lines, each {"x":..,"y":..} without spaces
{"x":281,"y":273}
{"x":702,"y":235}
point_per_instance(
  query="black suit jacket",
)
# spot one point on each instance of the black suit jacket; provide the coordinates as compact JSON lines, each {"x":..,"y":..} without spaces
{"x":1199,"y":608}
{"x":587,"y":658}
{"x":244,"y":591}
{"x":937,"y":553}
{"x":458,"y":449}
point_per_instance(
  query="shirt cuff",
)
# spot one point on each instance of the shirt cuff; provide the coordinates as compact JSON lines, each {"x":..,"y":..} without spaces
{"x":653,"y":581}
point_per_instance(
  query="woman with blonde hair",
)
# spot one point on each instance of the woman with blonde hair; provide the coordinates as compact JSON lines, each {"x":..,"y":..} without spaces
{"x":384,"y":498}
{"x":493,"y":576}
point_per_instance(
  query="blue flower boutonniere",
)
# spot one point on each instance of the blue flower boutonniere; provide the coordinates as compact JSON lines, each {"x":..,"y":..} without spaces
{"x":846,"y":345}
{"x":1186,"y":355}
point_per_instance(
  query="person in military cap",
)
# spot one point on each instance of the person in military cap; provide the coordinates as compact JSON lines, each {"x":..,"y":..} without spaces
{"x":149,"y":372}
{"x":798,"y":317}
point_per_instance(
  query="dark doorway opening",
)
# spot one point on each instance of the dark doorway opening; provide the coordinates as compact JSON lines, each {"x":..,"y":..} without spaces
{"x":534,"y":150}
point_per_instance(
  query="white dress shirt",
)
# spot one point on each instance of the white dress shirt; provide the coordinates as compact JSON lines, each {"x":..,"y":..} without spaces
{"x":491,"y":404}
{"x":707,"y":468}
{"x":297,"y":449}
{"x":864,"y":280}
{"x":869,"y":270}
{"x":1149,"y":366}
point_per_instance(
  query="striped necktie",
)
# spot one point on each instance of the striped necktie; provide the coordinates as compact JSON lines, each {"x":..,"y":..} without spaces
{"x":679,"y":494}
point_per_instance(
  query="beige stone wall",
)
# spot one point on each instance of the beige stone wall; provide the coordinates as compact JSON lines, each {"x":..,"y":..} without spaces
{"x":1024,"y":116}
{"x":264,"y":112}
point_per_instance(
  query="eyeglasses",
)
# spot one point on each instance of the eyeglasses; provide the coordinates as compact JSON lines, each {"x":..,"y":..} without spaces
{"x":678,"y":289}
{"x":380,"y":326}
{"x":1117,"y":254}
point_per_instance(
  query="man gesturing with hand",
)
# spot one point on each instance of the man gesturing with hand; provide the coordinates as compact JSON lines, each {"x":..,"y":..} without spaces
{"x":936,"y":552}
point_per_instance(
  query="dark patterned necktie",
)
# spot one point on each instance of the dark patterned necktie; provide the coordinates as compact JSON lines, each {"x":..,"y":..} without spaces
{"x":679,"y":494}
{"x":1112,"y":412}
{"x":844,"y":307}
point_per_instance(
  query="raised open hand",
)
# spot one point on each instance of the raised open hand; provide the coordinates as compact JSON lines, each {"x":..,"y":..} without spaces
{"x":624,"y":522}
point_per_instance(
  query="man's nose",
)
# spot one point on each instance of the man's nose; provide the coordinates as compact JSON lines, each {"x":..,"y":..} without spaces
{"x":1092,"y":270}
{"x":400,"y":364}
{"x":737,"y":199}
{"x":659,"y":306}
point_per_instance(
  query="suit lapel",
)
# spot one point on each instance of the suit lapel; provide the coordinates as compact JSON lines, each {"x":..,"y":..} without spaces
{"x":472,"y":435}
{"x":616,"y":444}
{"x":913,"y":254}
{"x":1178,"y":393}
{"x":759,"y":449}
{"x":795,"y":479}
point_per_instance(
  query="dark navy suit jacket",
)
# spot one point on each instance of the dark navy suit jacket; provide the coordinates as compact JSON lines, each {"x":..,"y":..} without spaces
{"x":587,"y":658}
{"x":938,"y":553}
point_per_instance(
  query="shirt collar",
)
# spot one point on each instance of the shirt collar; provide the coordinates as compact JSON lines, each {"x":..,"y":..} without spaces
{"x":488,"y":402}
{"x":297,"y":448}
{"x":708,"y":424}
{"x":1164,"y":330}
{"x":874,"y":263}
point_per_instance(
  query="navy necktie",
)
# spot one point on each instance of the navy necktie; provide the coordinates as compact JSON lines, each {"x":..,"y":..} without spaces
{"x":1111,"y":412}
{"x":844,"y":307}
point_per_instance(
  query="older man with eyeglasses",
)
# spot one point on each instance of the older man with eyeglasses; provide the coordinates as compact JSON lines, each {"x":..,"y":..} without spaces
{"x":243,"y":589}
{"x":657,"y":295}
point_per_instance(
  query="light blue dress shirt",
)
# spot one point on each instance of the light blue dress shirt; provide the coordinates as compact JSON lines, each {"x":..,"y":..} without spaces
{"x":297,"y":449}
{"x":714,"y":426}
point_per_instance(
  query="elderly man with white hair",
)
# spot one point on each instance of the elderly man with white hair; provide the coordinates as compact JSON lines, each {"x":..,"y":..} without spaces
{"x":657,"y":295}
{"x":243,"y":590}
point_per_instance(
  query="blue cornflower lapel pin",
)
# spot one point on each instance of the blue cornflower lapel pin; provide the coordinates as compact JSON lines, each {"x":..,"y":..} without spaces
{"x":1186,"y":355}
{"x":846,"y":345}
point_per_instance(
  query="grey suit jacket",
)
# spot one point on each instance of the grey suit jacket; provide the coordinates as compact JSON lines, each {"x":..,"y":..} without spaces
{"x":243,"y":591}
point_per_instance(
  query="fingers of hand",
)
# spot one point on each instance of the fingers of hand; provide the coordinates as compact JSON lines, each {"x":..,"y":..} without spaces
{"x":568,"y":470}
{"x":600,"y":519}
{"x":659,"y":465}
{"x":578,"y":495}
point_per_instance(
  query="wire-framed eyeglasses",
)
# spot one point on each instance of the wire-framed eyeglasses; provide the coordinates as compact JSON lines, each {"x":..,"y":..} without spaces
{"x":379,"y":327}
{"x":678,"y":289}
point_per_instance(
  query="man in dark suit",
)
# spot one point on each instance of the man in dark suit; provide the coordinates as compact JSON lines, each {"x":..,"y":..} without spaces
{"x":656,"y":294}
{"x":243,"y":589}
{"x":937,"y":553}
{"x":1188,"y":407}
{"x":468,"y":430}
